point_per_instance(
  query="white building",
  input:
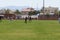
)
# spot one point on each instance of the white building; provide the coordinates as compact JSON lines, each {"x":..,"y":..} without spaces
{"x":50,"y":9}
{"x":2,"y":11}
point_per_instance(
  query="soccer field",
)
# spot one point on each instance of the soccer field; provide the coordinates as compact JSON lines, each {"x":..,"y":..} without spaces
{"x":35,"y":30}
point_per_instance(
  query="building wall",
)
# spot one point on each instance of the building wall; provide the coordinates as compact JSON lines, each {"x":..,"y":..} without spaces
{"x":51,"y":17}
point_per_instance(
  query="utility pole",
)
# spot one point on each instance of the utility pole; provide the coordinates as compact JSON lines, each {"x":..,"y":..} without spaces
{"x":43,"y":8}
{"x":37,"y":6}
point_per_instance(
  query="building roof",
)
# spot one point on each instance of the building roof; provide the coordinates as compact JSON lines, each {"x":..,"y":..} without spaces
{"x":28,"y":9}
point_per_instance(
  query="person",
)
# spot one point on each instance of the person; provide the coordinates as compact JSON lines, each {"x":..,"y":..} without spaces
{"x":30,"y":19}
{"x":59,"y":19}
{"x":0,"y":18}
{"x":26,"y":19}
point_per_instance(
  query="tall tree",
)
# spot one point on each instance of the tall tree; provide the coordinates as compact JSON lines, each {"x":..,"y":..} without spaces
{"x":33,"y":12}
{"x":7,"y":11}
{"x":59,"y":14}
{"x":56,"y":12}
{"x":17,"y":12}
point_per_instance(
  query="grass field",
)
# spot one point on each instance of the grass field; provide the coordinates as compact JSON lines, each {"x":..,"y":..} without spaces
{"x":35,"y":30}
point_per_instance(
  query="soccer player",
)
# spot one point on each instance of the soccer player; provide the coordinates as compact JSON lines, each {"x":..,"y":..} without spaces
{"x":26,"y":19}
{"x":0,"y":18}
{"x":30,"y":19}
{"x":59,"y":19}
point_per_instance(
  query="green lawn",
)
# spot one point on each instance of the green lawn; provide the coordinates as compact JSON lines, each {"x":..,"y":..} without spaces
{"x":35,"y":30}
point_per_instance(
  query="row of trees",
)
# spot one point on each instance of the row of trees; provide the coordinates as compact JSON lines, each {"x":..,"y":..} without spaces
{"x":18,"y":12}
{"x":29,"y":13}
{"x":34,"y":12}
{"x":8,"y":11}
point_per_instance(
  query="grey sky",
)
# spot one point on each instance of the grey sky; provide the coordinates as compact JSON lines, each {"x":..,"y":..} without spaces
{"x":31,"y":3}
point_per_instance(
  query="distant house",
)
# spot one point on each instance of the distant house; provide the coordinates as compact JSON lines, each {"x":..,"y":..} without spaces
{"x":26,"y":10}
{"x":10,"y":15}
{"x":7,"y":15}
{"x":49,"y":10}
{"x":2,"y":11}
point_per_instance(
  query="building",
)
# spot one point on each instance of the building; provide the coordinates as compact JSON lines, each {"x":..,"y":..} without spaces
{"x":2,"y":11}
{"x":7,"y":15}
{"x":26,"y":10}
{"x":48,"y":10}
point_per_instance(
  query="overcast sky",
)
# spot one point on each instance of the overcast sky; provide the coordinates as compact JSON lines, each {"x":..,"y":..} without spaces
{"x":30,"y":3}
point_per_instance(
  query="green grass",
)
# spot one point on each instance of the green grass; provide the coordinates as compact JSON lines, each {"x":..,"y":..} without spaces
{"x":35,"y":30}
